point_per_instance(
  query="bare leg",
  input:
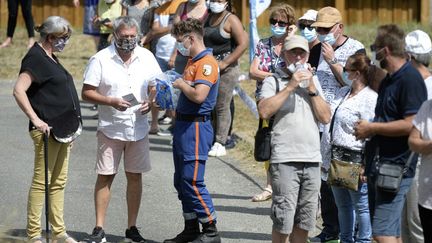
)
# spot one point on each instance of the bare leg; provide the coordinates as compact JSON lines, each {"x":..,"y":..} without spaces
{"x":298,"y":235}
{"x":133,"y":196}
{"x":102,"y":196}
{"x":278,"y":237}
{"x":387,"y":239}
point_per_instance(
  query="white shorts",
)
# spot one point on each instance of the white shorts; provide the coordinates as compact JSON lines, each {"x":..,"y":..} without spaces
{"x":109,"y":152}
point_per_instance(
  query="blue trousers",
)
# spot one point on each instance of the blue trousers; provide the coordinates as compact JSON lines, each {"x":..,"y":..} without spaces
{"x":191,"y":143}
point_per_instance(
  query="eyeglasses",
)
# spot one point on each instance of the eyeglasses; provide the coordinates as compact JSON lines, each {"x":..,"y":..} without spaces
{"x":278,"y":22}
{"x":304,"y":26}
{"x":127,"y":36}
{"x":348,"y":69}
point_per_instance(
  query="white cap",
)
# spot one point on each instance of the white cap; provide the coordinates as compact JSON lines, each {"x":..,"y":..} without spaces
{"x":418,"y":42}
{"x":310,"y":15}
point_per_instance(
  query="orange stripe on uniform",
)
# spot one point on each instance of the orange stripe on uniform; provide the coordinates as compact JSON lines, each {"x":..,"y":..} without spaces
{"x":196,"y":172}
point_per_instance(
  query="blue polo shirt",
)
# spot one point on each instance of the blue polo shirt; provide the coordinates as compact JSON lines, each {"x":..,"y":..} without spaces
{"x":400,"y":94}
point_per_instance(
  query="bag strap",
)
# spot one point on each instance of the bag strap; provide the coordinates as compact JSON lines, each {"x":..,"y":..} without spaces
{"x":271,"y":121}
{"x":334,"y":115}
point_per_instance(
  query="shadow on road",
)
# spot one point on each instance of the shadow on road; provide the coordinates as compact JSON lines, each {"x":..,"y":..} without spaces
{"x":253,"y":211}
{"x":245,"y":235}
{"x":240,"y":172}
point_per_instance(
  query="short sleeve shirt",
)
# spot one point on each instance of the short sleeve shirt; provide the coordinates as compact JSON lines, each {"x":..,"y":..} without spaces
{"x":295,"y":135}
{"x":202,"y":69}
{"x":52,"y":91}
{"x":423,"y":123}
{"x":113,"y":78}
{"x":400,"y":94}
{"x":110,"y":11}
{"x":325,"y":75}
{"x":350,"y":111}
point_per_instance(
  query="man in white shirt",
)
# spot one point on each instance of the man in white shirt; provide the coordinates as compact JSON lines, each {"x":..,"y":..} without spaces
{"x":120,"y":79}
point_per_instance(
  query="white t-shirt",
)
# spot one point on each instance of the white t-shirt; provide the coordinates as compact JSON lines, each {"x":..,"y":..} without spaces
{"x":295,"y":135}
{"x":329,"y":84}
{"x":428,"y":83}
{"x":107,"y":71}
{"x":423,"y":123}
{"x":350,"y":111}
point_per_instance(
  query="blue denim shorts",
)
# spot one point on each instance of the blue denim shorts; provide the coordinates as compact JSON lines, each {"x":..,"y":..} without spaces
{"x":387,"y":211}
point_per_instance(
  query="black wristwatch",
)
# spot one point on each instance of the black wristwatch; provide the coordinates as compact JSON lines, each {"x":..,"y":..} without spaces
{"x":313,"y":94}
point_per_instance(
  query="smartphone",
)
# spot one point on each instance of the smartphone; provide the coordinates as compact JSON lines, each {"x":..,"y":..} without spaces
{"x":131,"y":99}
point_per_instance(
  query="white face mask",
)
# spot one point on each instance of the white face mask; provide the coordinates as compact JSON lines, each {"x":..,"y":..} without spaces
{"x":374,"y":61}
{"x":217,"y":7}
{"x":193,"y":1}
{"x":109,"y":1}
{"x":346,"y":80}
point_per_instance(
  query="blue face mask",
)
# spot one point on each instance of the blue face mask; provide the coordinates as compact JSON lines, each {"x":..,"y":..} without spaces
{"x":277,"y":31}
{"x":329,"y":38}
{"x":345,"y":78}
{"x":182,"y":49}
{"x":309,"y":35}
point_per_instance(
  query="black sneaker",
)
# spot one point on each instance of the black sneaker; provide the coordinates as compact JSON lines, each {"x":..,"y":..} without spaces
{"x":323,"y":237}
{"x":97,"y":236}
{"x":133,"y":235}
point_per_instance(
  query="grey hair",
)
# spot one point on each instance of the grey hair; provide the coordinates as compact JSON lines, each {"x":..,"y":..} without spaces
{"x":125,"y":22}
{"x":423,"y":59}
{"x":54,"y":25}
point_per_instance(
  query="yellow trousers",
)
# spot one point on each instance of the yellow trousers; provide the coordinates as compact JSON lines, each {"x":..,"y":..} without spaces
{"x":58,"y":158}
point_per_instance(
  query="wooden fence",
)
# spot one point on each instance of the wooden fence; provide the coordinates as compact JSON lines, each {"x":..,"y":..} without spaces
{"x":357,"y":11}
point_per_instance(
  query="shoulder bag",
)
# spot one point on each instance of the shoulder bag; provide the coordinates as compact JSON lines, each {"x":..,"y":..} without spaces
{"x":390,"y":174}
{"x":345,"y":165}
{"x":262,"y":148}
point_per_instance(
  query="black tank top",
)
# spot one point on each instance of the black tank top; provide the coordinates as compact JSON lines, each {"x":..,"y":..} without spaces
{"x":213,"y":38}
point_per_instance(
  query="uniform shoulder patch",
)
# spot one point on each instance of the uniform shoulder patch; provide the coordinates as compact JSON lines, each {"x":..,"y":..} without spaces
{"x":207,"y":69}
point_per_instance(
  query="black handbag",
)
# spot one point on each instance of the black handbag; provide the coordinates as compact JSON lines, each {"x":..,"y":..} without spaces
{"x":66,"y":127}
{"x":262,"y":147}
{"x":390,"y":175}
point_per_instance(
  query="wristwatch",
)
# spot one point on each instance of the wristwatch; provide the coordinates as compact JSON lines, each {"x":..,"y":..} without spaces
{"x":333,"y":61}
{"x":313,"y":94}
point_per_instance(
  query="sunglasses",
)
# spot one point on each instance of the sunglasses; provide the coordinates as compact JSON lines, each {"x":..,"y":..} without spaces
{"x":278,"y":22}
{"x":347,"y":69}
{"x":324,"y":30}
{"x":304,"y":26}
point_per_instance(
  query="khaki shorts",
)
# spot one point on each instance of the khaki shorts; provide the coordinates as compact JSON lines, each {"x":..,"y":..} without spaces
{"x":136,"y":155}
{"x":295,"y":195}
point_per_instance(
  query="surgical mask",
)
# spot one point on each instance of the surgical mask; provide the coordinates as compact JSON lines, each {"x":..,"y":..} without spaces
{"x":193,"y":1}
{"x":328,"y":38}
{"x":217,"y":7}
{"x":59,"y":44}
{"x":277,"y":31}
{"x":309,"y":35}
{"x":382,"y":64}
{"x":126,"y":44}
{"x":182,"y":49}
{"x":346,"y":80}
{"x":109,"y":1}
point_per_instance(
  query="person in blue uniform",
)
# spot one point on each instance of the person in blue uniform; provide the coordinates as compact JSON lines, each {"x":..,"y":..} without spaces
{"x":193,"y":132}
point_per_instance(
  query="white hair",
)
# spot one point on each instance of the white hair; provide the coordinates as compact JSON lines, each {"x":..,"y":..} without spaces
{"x":54,"y":25}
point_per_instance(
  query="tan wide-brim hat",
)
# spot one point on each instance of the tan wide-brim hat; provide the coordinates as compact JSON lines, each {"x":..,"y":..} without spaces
{"x":327,"y":17}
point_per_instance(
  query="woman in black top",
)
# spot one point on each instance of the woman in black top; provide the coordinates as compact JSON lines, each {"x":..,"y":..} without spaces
{"x":45,"y":91}
{"x":224,"y":33}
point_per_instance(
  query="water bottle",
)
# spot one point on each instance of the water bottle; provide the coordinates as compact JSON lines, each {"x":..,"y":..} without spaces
{"x":304,"y":83}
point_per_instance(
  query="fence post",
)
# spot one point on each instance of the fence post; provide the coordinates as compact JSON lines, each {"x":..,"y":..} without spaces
{"x":424,"y":12}
{"x":340,"y":5}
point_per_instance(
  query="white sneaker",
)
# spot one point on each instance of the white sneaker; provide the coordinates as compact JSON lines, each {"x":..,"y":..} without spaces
{"x":217,"y":150}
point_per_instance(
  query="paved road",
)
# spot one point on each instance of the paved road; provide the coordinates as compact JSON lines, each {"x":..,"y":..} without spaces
{"x":229,"y":182}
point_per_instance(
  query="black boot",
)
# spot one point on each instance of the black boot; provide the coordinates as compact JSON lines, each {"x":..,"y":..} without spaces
{"x":191,"y":232}
{"x":209,"y":234}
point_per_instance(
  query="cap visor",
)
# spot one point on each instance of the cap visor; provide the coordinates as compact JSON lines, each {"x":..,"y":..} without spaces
{"x":323,"y":24}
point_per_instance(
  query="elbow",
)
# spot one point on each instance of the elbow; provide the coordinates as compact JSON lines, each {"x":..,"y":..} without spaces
{"x":326,"y":119}
{"x":263,"y":112}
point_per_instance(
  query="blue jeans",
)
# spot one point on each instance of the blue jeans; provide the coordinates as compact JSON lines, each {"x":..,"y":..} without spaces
{"x":353,"y":207}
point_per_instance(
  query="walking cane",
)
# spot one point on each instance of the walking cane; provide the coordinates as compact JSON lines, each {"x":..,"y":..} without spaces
{"x":46,"y":136}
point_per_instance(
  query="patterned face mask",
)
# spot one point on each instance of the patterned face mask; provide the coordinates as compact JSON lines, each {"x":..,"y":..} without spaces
{"x":126,"y":44}
{"x":60,"y":43}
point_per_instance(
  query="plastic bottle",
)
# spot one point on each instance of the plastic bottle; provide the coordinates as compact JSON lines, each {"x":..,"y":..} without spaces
{"x":304,"y":83}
